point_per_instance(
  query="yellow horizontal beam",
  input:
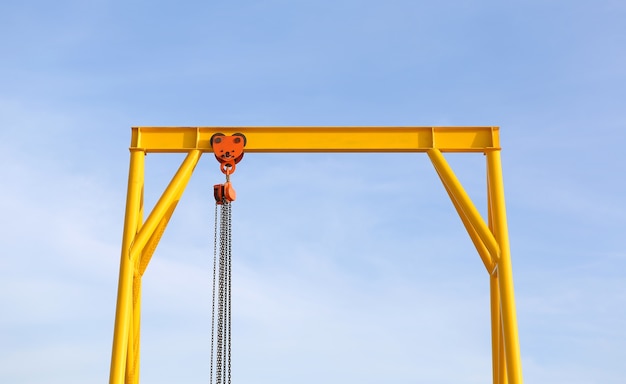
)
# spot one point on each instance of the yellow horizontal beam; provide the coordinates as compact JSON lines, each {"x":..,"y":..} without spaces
{"x":322,"y":139}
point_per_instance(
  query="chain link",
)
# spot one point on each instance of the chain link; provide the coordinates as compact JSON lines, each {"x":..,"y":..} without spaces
{"x":224,"y":296}
{"x":230,"y":273}
{"x":213,"y":294}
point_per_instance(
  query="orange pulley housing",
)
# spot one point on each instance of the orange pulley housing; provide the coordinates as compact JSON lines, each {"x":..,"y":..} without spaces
{"x":228,"y":151}
{"x":224,"y":192}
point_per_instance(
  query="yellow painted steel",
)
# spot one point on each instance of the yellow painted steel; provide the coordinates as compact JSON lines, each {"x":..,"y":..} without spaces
{"x":132,"y":357}
{"x":140,"y":239}
{"x":461,"y":198}
{"x":152,"y":243}
{"x":497,"y":337}
{"x":483,"y":252}
{"x":164,"y":208}
{"x":505,"y":269}
{"x":135,"y":257}
{"x":322,"y":139}
{"x":134,"y":202}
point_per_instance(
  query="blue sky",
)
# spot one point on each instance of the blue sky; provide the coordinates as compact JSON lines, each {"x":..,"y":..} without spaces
{"x":347,"y":267}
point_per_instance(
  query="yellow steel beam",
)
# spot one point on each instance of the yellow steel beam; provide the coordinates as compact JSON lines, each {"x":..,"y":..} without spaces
{"x":132,"y":357}
{"x":491,"y":241}
{"x":483,"y":252}
{"x":135,"y":257}
{"x":505,"y":270}
{"x":151,"y":245}
{"x":497,"y":335}
{"x":460,"y":197}
{"x":322,"y":139}
{"x":123,"y":314}
{"x":164,"y":207}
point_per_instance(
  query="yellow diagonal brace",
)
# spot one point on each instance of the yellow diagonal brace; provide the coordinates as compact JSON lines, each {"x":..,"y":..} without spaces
{"x":168,"y":200}
{"x":483,"y":252}
{"x":151,"y":246}
{"x":465,"y":203}
{"x":322,"y":139}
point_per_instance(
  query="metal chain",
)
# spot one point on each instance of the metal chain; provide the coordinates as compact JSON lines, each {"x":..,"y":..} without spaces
{"x":220,"y":317}
{"x":213,"y":293}
{"x":224,"y":295}
{"x":230,"y":270}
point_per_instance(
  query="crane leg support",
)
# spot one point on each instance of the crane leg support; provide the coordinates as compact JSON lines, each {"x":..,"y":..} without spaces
{"x":470,"y":216}
{"x":504,"y":269}
{"x":483,"y":252}
{"x":497,"y":336}
{"x":138,"y":244}
{"x":132,"y":220}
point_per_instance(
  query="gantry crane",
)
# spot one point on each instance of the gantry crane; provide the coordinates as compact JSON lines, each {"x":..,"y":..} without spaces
{"x":490,"y":237}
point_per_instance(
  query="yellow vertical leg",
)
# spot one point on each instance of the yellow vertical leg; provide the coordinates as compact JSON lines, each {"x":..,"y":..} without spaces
{"x":132,"y":359}
{"x":125,"y":286}
{"x":504,"y":269}
{"x":497,"y":337}
{"x":502,"y":357}
{"x":125,"y":357}
{"x":495,"y":327}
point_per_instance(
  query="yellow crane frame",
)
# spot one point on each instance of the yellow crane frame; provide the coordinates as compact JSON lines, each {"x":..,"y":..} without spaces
{"x":491,"y":240}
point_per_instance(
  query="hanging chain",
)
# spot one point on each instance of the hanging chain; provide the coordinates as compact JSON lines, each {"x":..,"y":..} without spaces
{"x":230,"y":273}
{"x":224,"y":295}
{"x":213,"y":294}
{"x":228,"y":150}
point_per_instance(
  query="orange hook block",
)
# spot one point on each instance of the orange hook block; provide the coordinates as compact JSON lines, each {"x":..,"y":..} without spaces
{"x":228,"y":150}
{"x":224,"y":193}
